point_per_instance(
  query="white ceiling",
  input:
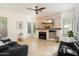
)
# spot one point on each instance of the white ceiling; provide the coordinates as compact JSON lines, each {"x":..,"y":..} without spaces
{"x":50,"y":7}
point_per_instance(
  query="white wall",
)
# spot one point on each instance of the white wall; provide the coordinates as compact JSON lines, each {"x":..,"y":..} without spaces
{"x":11,"y":23}
{"x":28,"y":18}
{"x":12,"y":18}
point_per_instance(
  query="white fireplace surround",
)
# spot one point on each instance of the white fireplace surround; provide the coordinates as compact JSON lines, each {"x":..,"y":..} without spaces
{"x":47,"y":34}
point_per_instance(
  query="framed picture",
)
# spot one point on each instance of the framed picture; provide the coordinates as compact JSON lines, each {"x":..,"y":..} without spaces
{"x":19,"y":24}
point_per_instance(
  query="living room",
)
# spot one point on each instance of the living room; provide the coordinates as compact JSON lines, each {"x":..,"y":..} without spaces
{"x":38,"y":29}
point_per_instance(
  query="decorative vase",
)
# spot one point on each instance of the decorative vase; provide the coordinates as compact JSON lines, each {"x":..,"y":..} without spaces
{"x":20,"y":39}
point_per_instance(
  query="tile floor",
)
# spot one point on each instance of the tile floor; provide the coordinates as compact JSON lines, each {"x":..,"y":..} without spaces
{"x":40,"y":47}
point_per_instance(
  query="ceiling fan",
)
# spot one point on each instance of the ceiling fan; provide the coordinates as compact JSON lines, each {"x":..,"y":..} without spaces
{"x":37,"y":9}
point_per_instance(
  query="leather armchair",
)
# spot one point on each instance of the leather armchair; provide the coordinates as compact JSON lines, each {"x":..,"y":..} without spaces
{"x":68,"y":49}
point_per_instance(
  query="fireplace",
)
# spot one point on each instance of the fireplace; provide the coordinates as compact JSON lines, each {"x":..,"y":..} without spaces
{"x":42,"y":35}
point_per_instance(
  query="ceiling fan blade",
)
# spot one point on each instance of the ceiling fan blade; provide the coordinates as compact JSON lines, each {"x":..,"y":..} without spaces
{"x":40,"y":11}
{"x":41,"y":8}
{"x":37,"y":9}
{"x":30,"y":9}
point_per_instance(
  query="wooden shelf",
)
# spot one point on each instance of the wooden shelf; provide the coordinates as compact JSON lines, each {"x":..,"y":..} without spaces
{"x":48,"y":28}
{"x":55,"y":28}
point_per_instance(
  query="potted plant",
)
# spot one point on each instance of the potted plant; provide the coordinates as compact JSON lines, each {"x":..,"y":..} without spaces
{"x":71,"y":36}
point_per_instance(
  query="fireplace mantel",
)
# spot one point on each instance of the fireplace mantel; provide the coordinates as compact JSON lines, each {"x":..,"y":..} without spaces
{"x":49,"y":28}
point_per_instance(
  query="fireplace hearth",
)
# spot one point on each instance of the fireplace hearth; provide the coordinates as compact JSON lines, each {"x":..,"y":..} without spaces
{"x":42,"y":35}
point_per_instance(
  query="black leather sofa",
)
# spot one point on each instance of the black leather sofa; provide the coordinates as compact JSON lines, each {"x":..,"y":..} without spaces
{"x":13,"y":49}
{"x":68,"y":49}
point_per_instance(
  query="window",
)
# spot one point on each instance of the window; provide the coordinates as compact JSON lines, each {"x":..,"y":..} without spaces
{"x":29,"y":28}
{"x":68,"y":23}
{"x":3,"y":26}
{"x":34,"y":28}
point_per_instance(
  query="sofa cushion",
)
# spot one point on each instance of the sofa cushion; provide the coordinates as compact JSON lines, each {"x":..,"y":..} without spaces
{"x":3,"y":47}
{"x":21,"y":50}
{"x":5,"y":40}
{"x":11,"y":43}
{"x":67,"y":51}
{"x":71,"y":52}
{"x":1,"y":43}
